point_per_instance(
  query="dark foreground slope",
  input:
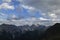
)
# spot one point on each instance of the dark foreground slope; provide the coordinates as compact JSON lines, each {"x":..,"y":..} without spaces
{"x":26,"y":32}
{"x":52,"y":33}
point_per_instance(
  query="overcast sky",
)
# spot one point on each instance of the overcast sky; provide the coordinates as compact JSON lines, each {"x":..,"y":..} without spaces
{"x":21,"y":12}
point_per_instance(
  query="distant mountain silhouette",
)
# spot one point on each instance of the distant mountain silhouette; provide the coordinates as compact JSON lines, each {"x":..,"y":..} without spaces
{"x":53,"y":32}
{"x":25,"y":32}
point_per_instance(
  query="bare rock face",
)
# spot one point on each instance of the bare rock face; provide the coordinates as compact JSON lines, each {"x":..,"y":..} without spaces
{"x":53,"y":33}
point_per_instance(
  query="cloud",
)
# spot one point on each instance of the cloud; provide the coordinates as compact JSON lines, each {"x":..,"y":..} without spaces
{"x":20,"y":0}
{"x":53,"y":15}
{"x":6,"y":0}
{"x":50,"y":8}
{"x":3,"y":16}
{"x":13,"y":16}
{"x":43,"y":5}
{"x":29,"y":21}
{"x":41,"y":18}
{"x":31,"y":10}
{"x":6,"y":6}
{"x":27,"y":7}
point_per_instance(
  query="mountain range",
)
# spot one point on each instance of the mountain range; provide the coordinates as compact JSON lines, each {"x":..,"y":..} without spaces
{"x":25,"y":32}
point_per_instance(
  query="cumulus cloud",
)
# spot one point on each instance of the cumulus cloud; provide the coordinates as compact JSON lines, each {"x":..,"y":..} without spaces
{"x":13,"y":16}
{"x":27,"y":7}
{"x":6,"y":6}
